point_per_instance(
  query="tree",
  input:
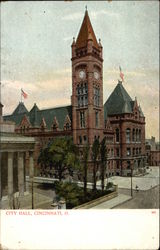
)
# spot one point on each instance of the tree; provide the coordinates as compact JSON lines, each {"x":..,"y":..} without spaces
{"x":45,"y":159}
{"x":95,"y":155}
{"x":103,"y":154}
{"x":64,"y":156}
{"x":85,"y":167}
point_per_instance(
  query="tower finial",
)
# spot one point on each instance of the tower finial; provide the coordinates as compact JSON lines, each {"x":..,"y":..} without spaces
{"x":86,"y":7}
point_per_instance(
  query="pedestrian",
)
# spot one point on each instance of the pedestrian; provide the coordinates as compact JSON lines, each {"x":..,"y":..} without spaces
{"x":137,"y":188}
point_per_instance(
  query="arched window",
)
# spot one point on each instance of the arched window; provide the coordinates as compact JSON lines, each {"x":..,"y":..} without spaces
{"x":128,"y":135}
{"x":133,"y":135}
{"x":139,"y":134}
{"x":117,"y":135}
{"x":82,"y":119}
{"x":82,"y":94}
{"x":96,"y":119}
{"x":80,"y":139}
{"x":54,"y":126}
{"x":67,"y":126}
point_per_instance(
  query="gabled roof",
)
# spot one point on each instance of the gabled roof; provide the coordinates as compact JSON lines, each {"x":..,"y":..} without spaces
{"x":21,"y":109}
{"x":140,"y":111}
{"x":86,"y":32}
{"x":119,"y":102}
{"x":36,"y":115}
{"x":60,"y":113}
{"x":33,"y":115}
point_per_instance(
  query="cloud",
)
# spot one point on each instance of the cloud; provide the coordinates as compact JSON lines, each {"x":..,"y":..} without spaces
{"x":73,"y":16}
{"x":69,"y":38}
{"x":96,"y":14}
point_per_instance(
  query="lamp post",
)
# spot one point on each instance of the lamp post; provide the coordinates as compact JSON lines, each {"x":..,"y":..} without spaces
{"x":32,"y":193}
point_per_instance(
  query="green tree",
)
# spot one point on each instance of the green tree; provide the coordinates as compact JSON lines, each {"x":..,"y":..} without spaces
{"x":45,"y":159}
{"x":103,"y":154}
{"x":85,"y":167}
{"x":64,"y":156}
{"x":70,"y":192}
{"x":95,"y":155}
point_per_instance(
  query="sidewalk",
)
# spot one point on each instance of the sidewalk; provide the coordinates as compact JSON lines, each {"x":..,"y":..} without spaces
{"x":113,"y":202}
{"x":40,"y":201}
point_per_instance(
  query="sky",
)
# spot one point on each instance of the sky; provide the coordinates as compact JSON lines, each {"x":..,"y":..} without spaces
{"x":36,"y":40}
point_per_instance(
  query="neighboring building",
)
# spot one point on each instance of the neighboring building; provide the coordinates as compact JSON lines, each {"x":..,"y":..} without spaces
{"x":120,"y":119}
{"x":152,"y":152}
{"x":16,"y":161}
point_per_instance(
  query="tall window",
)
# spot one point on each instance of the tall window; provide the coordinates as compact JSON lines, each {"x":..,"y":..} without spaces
{"x":133,"y":135}
{"x":128,"y":151}
{"x":128,"y":165}
{"x":128,"y":135}
{"x":82,"y":94}
{"x":117,"y":151}
{"x":96,"y":92}
{"x":82,"y":119}
{"x":133,"y":151}
{"x":117,"y":135}
{"x":139,"y":134}
{"x":96,"y":118}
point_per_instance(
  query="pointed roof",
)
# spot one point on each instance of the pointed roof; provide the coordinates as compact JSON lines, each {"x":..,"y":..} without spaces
{"x":33,"y":115}
{"x":119,"y":102}
{"x":140,"y":111}
{"x":21,"y":109}
{"x":43,"y":123}
{"x":86,"y":32}
{"x":36,"y":115}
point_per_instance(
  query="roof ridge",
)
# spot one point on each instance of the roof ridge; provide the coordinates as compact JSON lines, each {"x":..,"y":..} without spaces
{"x":55,"y":107}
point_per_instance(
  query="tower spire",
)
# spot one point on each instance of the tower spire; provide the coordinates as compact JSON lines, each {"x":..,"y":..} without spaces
{"x":86,"y":30}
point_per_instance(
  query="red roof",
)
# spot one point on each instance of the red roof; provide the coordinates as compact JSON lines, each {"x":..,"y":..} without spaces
{"x":86,"y":32}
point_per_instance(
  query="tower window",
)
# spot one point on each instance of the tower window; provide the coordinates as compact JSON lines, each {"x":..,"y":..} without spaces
{"x":96,"y":92}
{"x":96,"y":120}
{"x":82,"y":119}
{"x":82,"y":94}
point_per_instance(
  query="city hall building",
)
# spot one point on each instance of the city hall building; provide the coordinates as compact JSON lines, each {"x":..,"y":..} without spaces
{"x":119,"y":118}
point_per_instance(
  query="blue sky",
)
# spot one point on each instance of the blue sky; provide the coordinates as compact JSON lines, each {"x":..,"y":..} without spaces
{"x":36,"y":42}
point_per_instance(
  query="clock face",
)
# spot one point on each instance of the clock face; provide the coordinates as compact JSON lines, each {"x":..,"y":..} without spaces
{"x":82,"y":74}
{"x":96,"y":75}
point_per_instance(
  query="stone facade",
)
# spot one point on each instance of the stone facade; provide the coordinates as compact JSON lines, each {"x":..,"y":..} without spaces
{"x":13,"y":162}
{"x":120,"y":119}
{"x":152,"y":152}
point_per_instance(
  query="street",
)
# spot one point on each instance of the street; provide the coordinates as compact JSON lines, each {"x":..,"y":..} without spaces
{"x":146,"y":197}
{"x":141,"y":199}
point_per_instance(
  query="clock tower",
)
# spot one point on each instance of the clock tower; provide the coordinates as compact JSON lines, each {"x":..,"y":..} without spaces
{"x":87,"y":86}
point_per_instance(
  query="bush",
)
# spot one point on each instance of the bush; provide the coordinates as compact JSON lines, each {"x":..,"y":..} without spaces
{"x":109,"y":185}
{"x":70,"y":192}
{"x":74,"y":195}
